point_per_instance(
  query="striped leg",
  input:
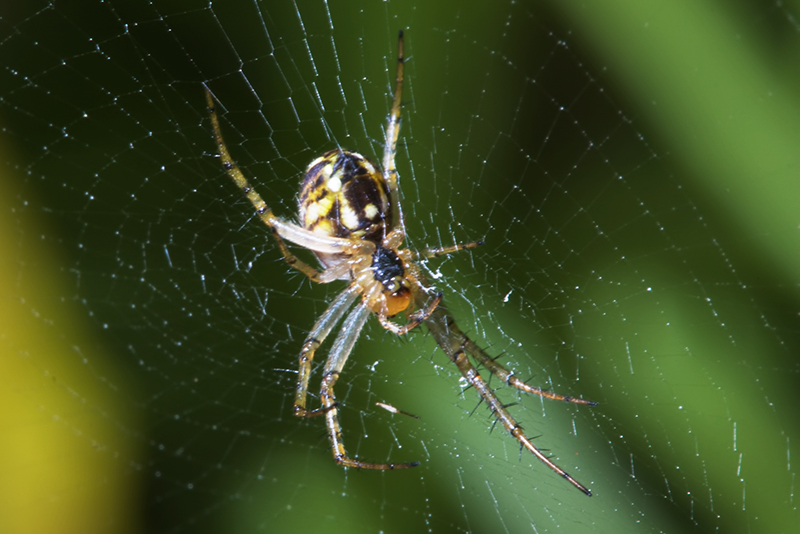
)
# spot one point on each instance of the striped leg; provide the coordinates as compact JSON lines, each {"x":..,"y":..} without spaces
{"x":342,"y":348}
{"x":321,"y":329}
{"x":456,"y":345}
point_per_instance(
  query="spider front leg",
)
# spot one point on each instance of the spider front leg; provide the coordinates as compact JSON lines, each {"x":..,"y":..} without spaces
{"x":342,"y":347}
{"x":318,"y":333}
{"x":456,"y":345}
{"x":498,"y":409}
{"x":459,"y":339}
{"x":508,"y":376}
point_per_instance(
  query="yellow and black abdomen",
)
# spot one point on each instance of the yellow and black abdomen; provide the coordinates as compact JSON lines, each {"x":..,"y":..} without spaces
{"x":345,"y":195}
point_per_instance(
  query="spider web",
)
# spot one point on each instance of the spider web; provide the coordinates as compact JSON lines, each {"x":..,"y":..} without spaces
{"x":633,"y":177}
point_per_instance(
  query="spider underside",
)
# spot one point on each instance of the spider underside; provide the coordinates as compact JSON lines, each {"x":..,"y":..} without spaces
{"x":352,"y":220}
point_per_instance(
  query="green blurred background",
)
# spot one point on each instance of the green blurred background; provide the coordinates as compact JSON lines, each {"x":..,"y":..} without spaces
{"x":138,"y":395}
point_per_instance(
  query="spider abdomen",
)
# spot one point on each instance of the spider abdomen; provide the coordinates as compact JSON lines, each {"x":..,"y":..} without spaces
{"x":345,"y":195}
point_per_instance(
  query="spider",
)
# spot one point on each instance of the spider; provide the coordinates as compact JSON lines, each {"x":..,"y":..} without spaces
{"x":351,"y":218}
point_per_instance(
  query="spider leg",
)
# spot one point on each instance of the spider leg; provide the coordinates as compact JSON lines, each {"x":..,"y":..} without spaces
{"x":436,"y":252}
{"x":508,"y":376}
{"x":315,"y":338}
{"x":510,"y":424}
{"x":390,"y":140}
{"x":280,"y":228}
{"x":414,"y":319}
{"x":342,"y":347}
{"x":455,"y":344}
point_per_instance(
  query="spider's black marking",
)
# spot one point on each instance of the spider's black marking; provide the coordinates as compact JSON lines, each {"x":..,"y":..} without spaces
{"x":351,"y":163}
{"x":387,"y":267}
{"x":316,"y":172}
